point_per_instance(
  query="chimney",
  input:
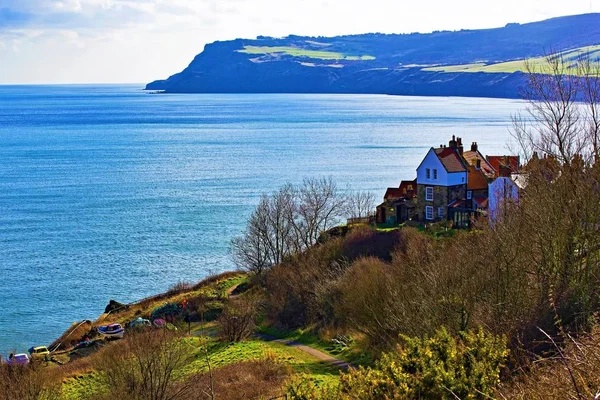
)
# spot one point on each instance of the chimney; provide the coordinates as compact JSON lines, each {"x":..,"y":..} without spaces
{"x":478,"y":164}
{"x":474,"y":146}
{"x":460,"y":145}
{"x":452,"y":143}
{"x":505,"y":171}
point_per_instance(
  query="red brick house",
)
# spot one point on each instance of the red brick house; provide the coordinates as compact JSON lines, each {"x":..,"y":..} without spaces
{"x":398,"y":204}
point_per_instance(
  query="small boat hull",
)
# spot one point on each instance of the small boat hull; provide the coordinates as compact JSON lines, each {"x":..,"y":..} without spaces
{"x":115,"y":331}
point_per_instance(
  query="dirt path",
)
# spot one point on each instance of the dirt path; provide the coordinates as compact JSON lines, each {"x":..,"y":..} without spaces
{"x":343,"y":365}
{"x":231,"y":289}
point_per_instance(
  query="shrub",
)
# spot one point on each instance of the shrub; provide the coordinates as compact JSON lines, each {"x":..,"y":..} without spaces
{"x":169,"y":309}
{"x":238,"y":319}
{"x":363,"y":241}
{"x":179,"y":287}
{"x":26,"y":383}
{"x":143,"y":366}
{"x":440,"y":367}
{"x":302,"y":290}
{"x":367,"y":302}
{"x":304,"y":388}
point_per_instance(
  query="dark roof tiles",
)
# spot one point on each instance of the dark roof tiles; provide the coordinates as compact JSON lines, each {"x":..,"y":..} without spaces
{"x":450,"y":159}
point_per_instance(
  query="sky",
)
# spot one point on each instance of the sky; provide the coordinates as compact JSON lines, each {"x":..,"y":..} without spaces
{"x":135,"y":41}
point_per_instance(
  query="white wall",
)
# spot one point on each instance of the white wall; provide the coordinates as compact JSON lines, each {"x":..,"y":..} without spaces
{"x":444,"y":178}
{"x":501,"y":190}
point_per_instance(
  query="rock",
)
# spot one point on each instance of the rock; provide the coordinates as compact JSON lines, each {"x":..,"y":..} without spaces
{"x":113,"y":306}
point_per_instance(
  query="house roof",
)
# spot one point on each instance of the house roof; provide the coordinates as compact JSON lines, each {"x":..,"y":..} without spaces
{"x":511,"y":161}
{"x":393,"y":193}
{"x":476,"y":179}
{"x":472,"y":156}
{"x":482,"y":202}
{"x":408,"y":188}
{"x":450,"y":159}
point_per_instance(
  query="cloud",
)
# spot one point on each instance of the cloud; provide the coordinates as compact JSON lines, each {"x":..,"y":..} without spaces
{"x":140,"y":40}
{"x":68,"y":5}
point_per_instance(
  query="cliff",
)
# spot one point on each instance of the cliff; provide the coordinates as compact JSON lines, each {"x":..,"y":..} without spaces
{"x":485,"y":62}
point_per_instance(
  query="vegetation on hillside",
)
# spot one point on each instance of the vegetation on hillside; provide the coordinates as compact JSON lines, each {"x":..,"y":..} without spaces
{"x":570,"y":59}
{"x":507,"y":309}
{"x":300,"y":52}
{"x":532,"y":276}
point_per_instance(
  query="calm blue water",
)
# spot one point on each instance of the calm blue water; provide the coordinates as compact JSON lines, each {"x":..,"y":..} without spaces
{"x":107,"y":192}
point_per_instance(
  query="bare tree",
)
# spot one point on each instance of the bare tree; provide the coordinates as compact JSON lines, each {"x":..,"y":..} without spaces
{"x":287,"y":222}
{"x":562,"y":119}
{"x":552,"y":124}
{"x":267,"y":238}
{"x":144,"y":366}
{"x":559,"y":212}
{"x":209,"y":391}
{"x":589,"y":74}
{"x":319,"y":206}
{"x":359,"y":204}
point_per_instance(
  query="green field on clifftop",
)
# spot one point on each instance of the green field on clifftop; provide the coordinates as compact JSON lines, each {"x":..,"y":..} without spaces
{"x":298,"y":52}
{"x":539,"y":64}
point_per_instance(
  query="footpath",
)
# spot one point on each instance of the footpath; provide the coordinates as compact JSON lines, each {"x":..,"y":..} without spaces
{"x":343,"y":365}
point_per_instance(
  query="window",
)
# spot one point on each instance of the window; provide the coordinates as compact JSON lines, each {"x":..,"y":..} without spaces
{"x":429,"y":212}
{"x":434,"y":173}
{"x":440,"y":212}
{"x":410,"y":187}
{"x":429,"y":193}
{"x":469,"y":194}
{"x":428,"y":173}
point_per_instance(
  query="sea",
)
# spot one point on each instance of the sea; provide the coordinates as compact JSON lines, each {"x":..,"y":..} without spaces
{"x":109,"y":192}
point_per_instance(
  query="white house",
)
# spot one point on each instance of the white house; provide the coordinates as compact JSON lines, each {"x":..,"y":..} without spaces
{"x":441,"y":180}
{"x":441,"y":167}
{"x":501,"y":191}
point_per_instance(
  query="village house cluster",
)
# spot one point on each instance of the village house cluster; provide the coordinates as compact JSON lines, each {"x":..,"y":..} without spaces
{"x":454,"y":184}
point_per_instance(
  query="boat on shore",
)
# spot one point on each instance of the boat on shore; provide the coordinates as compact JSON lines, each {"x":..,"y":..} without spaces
{"x":112,"y":331}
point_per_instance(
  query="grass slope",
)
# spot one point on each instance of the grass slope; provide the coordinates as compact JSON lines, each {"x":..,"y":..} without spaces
{"x":539,"y":63}
{"x":298,"y":52}
{"x":221,"y":354}
{"x":81,"y":381}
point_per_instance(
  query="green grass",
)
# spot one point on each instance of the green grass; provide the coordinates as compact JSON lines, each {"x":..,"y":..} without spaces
{"x":222,"y":354}
{"x":352,"y":354}
{"x":81,"y":387}
{"x":298,"y":52}
{"x":387,"y":227}
{"x":539,"y":63}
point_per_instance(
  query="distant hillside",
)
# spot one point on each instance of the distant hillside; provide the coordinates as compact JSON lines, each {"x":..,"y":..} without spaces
{"x":408,"y":64}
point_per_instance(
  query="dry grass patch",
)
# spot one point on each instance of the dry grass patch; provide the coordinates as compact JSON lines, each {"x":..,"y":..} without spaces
{"x":245,"y":380}
{"x":571,"y":373}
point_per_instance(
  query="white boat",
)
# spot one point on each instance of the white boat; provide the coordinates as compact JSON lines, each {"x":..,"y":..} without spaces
{"x":112,"y":331}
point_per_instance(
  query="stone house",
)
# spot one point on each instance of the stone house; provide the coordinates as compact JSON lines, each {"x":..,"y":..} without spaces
{"x":441,"y":181}
{"x":398,"y":204}
{"x":453,"y":185}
